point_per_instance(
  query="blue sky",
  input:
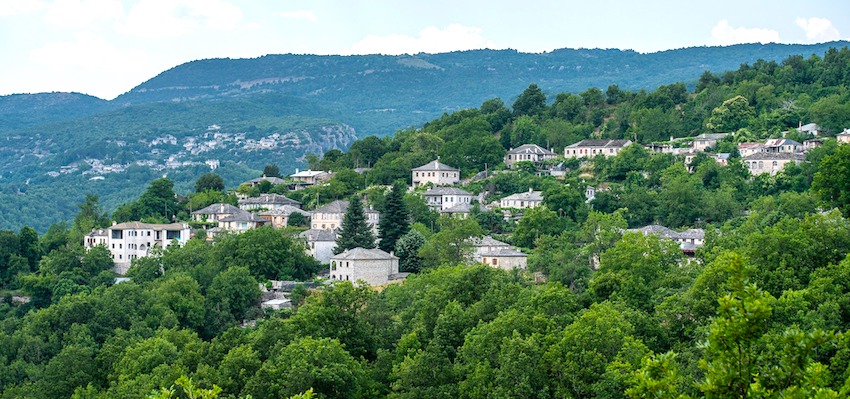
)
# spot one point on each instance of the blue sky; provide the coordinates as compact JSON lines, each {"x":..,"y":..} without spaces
{"x":106,"y":47}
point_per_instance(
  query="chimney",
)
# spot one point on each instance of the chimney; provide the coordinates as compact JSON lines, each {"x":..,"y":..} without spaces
{"x":296,"y":170}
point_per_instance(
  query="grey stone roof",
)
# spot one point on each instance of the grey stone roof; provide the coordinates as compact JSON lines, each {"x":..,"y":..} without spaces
{"x":445,"y":191}
{"x":505,"y":253}
{"x":98,"y":233}
{"x":318,"y":235}
{"x":771,"y":156}
{"x":487,"y":241}
{"x":269,"y":199}
{"x":363,"y":254}
{"x":526,"y":196}
{"x":530,"y":149}
{"x":600,"y":143}
{"x":711,"y":136}
{"x":809,"y":127}
{"x":272,"y":180}
{"x":459,"y":208}
{"x":664,"y":232}
{"x":218,"y":209}
{"x":436,"y":165}
{"x":339,"y":206}
{"x":285,"y":210}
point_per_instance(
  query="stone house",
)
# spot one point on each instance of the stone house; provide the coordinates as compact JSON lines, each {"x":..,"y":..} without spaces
{"x":843,"y":137}
{"x":132,"y":240}
{"x":267,"y":202}
{"x":305,"y":178}
{"x":439,"y":198}
{"x":279,"y":217}
{"x":707,"y":140}
{"x":320,"y":244}
{"x":372,"y":266}
{"x":528,"y":152}
{"x":273,"y":180}
{"x":528,"y":199}
{"x":215,"y":212}
{"x":591,"y":148}
{"x":330,"y":216}
{"x":688,"y":240}
{"x":750,"y":148}
{"x":770,"y":162}
{"x":436,"y":173}
{"x":498,"y":254}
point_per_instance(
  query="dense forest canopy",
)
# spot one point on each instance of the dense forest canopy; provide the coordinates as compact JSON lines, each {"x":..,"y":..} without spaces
{"x":762,"y":310}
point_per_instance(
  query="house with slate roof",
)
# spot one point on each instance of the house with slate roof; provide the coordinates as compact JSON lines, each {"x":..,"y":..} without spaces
{"x":591,"y":148}
{"x":689,"y":240}
{"x":528,"y":199}
{"x":215,"y":212}
{"x":273,"y":180}
{"x":770,"y":162}
{"x":436,"y":173}
{"x":305,"y":178}
{"x":320,"y":243}
{"x":528,"y":152}
{"x":330,"y":216}
{"x":782,"y":145}
{"x":707,"y":140}
{"x":495,"y":253}
{"x":267,"y":202}
{"x":439,"y":198}
{"x":279,"y":217}
{"x":372,"y":266}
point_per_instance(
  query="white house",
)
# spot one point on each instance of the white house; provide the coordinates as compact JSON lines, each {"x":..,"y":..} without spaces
{"x":707,"y":140}
{"x":460,"y":210}
{"x":688,"y":240}
{"x":843,"y":137}
{"x":439,"y":198}
{"x":330,"y":216}
{"x":373,"y":266}
{"x":528,"y":152}
{"x":770,"y":162}
{"x":749,"y":148}
{"x":810,"y":128}
{"x":528,"y":199}
{"x":436,"y":173}
{"x":782,"y":145}
{"x":320,"y":244}
{"x":591,"y":148}
{"x":267,"y":202}
{"x":306,"y":178}
{"x":132,"y":240}
{"x":241,"y":222}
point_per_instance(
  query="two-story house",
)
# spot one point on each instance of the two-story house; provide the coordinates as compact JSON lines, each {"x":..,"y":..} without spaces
{"x":306,"y":178}
{"x":591,"y":148}
{"x":528,"y":199}
{"x":436,"y":173}
{"x":267,"y":202}
{"x":770,"y":162}
{"x":330,"y":216}
{"x":440,"y":198}
{"x":528,"y":152}
{"x":372,"y":266}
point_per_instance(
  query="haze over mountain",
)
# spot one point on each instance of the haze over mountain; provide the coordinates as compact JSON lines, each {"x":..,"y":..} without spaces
{"x":243,"y":113}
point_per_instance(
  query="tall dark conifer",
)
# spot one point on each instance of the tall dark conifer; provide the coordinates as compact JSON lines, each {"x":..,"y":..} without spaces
{"x":355,"y":231}
{"x":395,"y":220}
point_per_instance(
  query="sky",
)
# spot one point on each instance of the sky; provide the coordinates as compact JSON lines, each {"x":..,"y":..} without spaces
{"x":106,"y":47}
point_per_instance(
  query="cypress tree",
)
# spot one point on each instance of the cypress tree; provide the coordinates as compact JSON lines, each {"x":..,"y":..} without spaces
{"x":355,"y":231}
{"x":394,"y":221}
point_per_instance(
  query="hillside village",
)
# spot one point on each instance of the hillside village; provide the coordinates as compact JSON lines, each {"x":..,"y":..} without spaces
{"x":679,"y":243}
{"x":441,"y":188}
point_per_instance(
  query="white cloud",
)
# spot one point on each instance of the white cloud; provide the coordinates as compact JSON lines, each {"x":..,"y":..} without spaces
{"x":83,"y":14}
{"x":818,"y":29}
{"x":431,"y":40}
{"x":723,"y":34}
{"x":10,"y":8}
{"x":303,"y":15}
{"x":168,"y":18}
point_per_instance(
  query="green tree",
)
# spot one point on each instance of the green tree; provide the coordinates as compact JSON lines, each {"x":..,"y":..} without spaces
{"x":735,"y":113}
{"x":271,"y":170}
{"x":395,"y":220}
{"x":407,"y":249}
{"x":451,"y":245}
{"x":537,"y":222}
{"x":268,"y":253}
{"x":355,"y":231}
{"x":531,"y":102}
{"x":832,"y":181}
{"x":209,"y":182}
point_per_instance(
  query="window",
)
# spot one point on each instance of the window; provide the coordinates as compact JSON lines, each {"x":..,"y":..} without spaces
{"x":495,"y":261}
{"x":172,"y":234}
{"x":117,"y":234}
